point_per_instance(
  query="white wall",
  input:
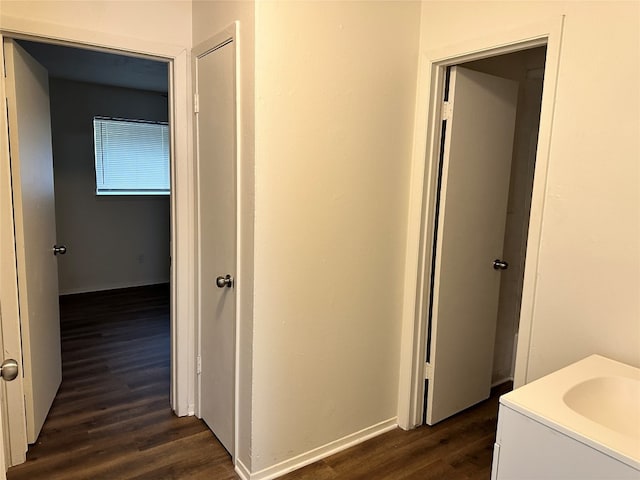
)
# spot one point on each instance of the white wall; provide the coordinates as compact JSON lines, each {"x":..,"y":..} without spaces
{"x":589,"y":267}
{"x":209,"y":18}
{"x":112,"y":241}
{"x":335,"y":97}
{"x":164,"y":21}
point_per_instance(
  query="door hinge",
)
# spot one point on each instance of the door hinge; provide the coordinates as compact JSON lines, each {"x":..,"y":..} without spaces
{"x":198,"y":365}
{"x":428,"y":371}
{"x":196,"y":103}
{"x":447,"y":110}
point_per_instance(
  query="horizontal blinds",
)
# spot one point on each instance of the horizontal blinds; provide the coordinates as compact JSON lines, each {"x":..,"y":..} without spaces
{"x":131,"y":156}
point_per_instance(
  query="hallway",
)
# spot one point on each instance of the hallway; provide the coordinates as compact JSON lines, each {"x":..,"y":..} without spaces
{"x":111,"y":419}
{"x":458,"y":448}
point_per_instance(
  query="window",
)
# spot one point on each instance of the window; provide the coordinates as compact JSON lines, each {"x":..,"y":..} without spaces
{"x":132,"y":157}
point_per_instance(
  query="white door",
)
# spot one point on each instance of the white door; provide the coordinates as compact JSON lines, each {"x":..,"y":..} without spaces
{"x":3,"y":426}
{"x":35,"y":231}
{"x":216,"y":150}
{"x":4,"y":434}
{"x":474,"y":191}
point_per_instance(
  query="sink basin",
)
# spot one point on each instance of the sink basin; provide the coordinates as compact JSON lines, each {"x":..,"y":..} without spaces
{"x":595,"y":401}
{"x":610,"y":401}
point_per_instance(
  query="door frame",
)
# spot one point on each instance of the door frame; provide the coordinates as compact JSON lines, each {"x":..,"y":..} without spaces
{"x":182,"y":390}
{"x":422,"y":199}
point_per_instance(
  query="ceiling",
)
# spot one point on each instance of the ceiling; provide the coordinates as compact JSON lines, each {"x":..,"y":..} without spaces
{"x":99,"y":67}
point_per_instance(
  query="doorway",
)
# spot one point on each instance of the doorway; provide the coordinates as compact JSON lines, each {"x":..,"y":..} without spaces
{"x":527,"y":68}
{"x":116,"y":234}
{"x":17,"y":444}
{"x":422,"y":203}
{"x":485,"y":178}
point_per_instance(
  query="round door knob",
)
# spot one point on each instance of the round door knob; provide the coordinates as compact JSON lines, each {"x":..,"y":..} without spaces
{"x":9,"y":369}
{"x":500,"y":264}
{"x":59,"y":249}
{"x":226,"y":281}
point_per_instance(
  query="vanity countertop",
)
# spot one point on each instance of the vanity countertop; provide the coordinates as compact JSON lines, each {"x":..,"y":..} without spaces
{"x":595,"y":401}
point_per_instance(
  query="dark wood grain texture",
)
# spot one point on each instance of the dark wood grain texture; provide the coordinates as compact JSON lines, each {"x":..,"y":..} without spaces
{"x":111,"y":418}
{"x":459,"y":448}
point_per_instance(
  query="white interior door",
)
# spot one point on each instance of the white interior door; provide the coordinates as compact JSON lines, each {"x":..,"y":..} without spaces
{"x":5,"y":452}
{"x":4,"y":434}
{"x":35,"y":232}
{"x":216,"y":150}
{"x":470,"y":233}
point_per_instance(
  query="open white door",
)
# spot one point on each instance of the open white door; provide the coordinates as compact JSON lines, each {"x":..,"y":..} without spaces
{"x":476,"y":164}
{"x":214,"y":72}
{"x":4,"y":434}
{"x":35,"y":232}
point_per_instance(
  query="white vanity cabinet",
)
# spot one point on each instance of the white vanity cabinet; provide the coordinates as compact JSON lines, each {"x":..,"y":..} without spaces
{"x":579,"y":423}
{"x":528,"y":449}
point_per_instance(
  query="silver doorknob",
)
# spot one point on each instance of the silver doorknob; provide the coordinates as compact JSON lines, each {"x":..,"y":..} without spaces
{"x":226,"y":281}
{"x":500,"y":264}
{"x":9,"y":369}
{"x":59,"y":249}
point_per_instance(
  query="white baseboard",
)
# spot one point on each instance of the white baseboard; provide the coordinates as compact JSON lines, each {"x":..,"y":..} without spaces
{"x":242,"y":471}
{"x":319,"y":453}
{"x":501,"y":381}
{"x":112,"y":286}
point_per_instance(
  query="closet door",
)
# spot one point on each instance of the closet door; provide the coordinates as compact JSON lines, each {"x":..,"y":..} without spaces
{"x":215,"y":120}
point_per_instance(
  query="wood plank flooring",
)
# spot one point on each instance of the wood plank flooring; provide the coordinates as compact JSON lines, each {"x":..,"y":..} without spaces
{"x":111,"y":418}
{"x":459,"y":448}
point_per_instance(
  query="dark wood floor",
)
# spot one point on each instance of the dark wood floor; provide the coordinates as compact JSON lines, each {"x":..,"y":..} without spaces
{"x":459,"y":448}
{"x":112,"y":420}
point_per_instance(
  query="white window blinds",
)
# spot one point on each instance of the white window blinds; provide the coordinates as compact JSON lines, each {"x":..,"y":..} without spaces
{"x":132,"y":157}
